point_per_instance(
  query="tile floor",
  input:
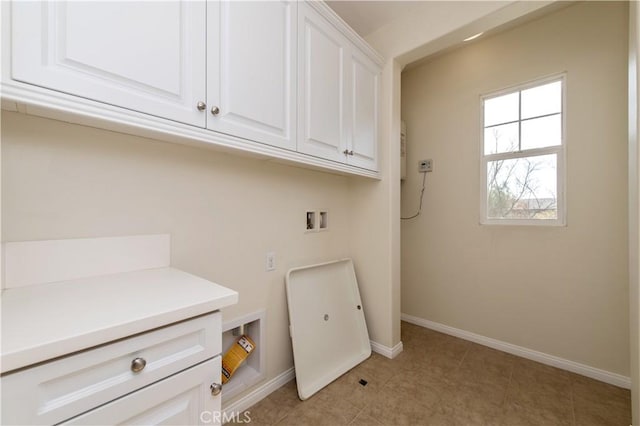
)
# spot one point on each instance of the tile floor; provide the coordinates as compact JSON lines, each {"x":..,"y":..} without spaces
{"x":442,"y":380}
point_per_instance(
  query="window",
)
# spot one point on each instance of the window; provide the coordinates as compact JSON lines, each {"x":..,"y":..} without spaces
{"x":523,"y":150}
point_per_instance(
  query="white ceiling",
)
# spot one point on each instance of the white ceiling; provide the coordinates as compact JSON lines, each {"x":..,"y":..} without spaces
{"x":368,"y":16}
{"x":365,"y":17}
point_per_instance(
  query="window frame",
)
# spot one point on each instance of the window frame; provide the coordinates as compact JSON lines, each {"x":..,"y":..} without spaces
{"x":559,"y":150}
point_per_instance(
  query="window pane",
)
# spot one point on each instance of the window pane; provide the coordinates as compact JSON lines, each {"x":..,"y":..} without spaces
{"x":499,"y":139}
{"x":501,"y":109}
{"x":522,"y":188}
{"x":542,"y":132}
{"x":542,"y":100}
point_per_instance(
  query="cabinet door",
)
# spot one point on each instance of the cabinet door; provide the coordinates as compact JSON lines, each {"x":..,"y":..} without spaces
{"x":365,"y":80}
{"x":322,"y":91}
{"x":182,"y":399}
{"x":144,"y":56}
{"x":251,"y":70}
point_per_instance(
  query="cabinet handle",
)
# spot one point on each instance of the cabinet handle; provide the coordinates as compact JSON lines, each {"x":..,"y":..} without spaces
{"x":350,"y":152}
{"x":201,"y":106}
{"x":216,"y":388}
{"x":138,"y":364}
{"x":345,"y":152}
{"x":215,"y":110}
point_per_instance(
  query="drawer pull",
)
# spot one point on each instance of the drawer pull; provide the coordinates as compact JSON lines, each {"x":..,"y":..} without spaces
{"x":138,"y":364}
{"x":216,"y":388}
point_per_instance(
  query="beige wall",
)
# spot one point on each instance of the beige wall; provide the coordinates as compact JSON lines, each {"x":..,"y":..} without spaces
{"x":72,"y":162}
{"x":634,"y":208}
{"x":374,"y":225}
{"x":376,"y":235}
{"x":63,"y":181}
{"x":223,"y":212}
{"x":562,"y":291}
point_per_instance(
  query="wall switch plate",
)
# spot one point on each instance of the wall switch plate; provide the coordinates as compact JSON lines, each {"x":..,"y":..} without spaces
{"x":270,"y":262}
{"x":425,"y":165}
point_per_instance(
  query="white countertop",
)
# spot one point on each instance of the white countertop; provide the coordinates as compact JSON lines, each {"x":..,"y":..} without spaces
{"x":40,"y":322}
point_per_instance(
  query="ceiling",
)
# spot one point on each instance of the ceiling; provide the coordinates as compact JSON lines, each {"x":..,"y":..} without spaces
{"x":365,"y":17}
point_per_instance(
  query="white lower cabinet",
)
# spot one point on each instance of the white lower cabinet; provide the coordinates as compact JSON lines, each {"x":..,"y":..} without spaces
{"x":182,"y":399}
{"x":162,"y":376}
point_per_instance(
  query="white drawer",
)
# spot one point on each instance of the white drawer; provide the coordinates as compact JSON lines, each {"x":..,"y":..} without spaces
{"x":58,"y":390}
{"x":182,"y":399}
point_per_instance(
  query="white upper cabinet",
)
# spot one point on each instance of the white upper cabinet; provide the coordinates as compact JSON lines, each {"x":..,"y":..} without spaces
{"x":144,"y":56}
{"x":322,"y":87}
{"x":338,"y":94}
{"x":365,"y":83}
{"x":251,"y":70}
{"x":283,"y":79}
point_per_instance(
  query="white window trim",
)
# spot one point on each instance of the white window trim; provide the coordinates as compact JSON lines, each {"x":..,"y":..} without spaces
{"x":560,"y":150}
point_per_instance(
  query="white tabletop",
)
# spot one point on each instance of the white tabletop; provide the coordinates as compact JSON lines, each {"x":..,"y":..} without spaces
{"x":41,"y":322}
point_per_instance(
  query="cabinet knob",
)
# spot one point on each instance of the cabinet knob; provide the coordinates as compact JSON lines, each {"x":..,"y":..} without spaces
{"x":215,"y":110}
{"x":201,"y":106}
{"x":345,"y":152}
{"x":351,"y":152}
{"x":216,"y":388}
{"x":138,"y":364}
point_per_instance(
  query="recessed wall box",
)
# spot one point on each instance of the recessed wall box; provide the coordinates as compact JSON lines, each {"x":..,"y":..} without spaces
{"x":311,"y":221}
{"x":323,"y":220}
{"x":253,"y":369}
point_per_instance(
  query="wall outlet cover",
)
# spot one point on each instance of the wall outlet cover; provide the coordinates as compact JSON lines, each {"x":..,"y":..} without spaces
{"x":270,"y":261}
{"x":425,"y":165}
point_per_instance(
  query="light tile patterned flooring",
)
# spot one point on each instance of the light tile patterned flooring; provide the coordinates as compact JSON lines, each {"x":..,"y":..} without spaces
{"x":442,"y":380}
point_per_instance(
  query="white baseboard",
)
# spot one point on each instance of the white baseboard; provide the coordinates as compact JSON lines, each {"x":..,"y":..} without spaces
{"x":386,"y":350}
{"x":541,"y":357}
{"x":260,"y":392}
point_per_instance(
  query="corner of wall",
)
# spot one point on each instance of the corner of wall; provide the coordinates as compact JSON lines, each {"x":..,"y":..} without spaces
{"x":634,"y":208}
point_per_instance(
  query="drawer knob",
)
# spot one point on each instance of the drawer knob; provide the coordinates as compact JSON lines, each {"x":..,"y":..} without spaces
{"x":201,"y":106}
{"x":215,"y":110}
{"x":216,"y":388}
{"x":138,"y":364}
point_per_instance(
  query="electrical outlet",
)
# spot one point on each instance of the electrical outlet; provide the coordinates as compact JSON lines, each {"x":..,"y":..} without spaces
{"x":425,"y":165}
{"x":270,"y":264}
